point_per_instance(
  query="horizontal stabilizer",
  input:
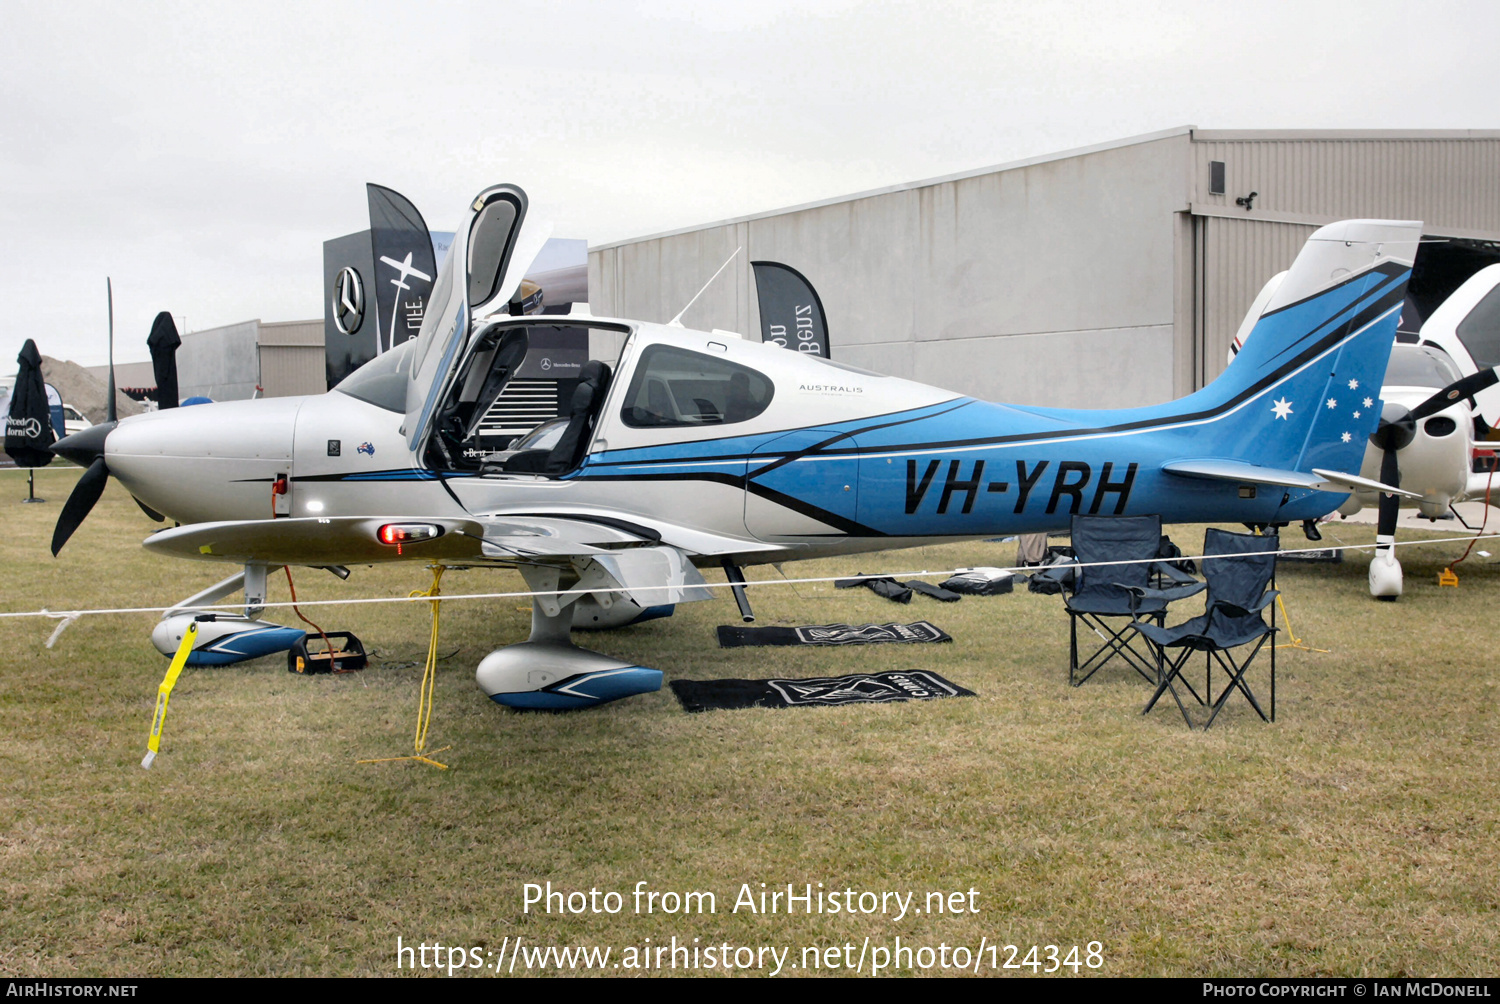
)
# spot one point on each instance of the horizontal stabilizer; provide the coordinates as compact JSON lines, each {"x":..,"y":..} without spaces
{"x":1251,"y":474}
{"x":1243,"y":473}
{"x":1350,"y":482}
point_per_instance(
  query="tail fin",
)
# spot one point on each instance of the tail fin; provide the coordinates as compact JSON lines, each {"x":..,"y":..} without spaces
{"x":1305,"y":386}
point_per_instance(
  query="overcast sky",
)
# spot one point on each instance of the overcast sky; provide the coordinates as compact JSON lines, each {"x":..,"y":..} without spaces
{"x":201,"y":153}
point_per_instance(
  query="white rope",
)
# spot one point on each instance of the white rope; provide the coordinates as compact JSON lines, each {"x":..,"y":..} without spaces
{"x":72,"y":615}
{"x":62,"y":624}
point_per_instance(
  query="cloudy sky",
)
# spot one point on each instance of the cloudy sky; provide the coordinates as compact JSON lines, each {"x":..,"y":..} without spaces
{"x":200,"y":153}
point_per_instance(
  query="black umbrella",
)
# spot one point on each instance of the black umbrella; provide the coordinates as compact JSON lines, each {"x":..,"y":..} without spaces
{"x":28,"y":427}
{"x":163,"y":342}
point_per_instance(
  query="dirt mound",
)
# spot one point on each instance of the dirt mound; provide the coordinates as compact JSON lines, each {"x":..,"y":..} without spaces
{"x":84,"y":391}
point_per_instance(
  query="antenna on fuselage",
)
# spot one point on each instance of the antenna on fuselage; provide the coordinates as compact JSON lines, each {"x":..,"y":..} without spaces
{"x":676,"y":322}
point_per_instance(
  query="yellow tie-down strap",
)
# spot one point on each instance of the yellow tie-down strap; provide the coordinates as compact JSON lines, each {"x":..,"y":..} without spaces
{"x":164,"y":692}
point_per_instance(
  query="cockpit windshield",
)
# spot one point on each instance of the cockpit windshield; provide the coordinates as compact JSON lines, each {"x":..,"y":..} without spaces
{"x":382,"y":380}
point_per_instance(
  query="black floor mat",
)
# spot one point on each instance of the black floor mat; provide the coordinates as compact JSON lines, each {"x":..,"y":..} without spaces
{"x":831,"y":634}
{"x":856,"y":688}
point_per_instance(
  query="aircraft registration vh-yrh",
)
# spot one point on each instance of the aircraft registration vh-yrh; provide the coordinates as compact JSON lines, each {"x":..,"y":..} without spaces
{"x":701,"y":449}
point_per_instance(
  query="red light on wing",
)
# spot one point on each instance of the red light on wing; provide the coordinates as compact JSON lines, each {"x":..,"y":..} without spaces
{"x":397,"y":534}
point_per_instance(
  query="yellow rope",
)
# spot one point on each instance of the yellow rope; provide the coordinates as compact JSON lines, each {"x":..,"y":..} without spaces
{"x":429,"y":680}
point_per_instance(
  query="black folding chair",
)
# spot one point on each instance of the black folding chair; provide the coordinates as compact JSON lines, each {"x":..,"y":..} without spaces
{"x":1239,"y":568}
{"x":1137,"y":588}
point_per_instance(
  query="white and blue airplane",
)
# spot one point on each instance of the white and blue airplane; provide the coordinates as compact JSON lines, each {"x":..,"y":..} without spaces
{"x":699,"y":449}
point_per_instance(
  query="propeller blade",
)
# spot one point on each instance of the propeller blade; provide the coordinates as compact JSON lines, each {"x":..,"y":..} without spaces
{"x":109,"y":407}
{"x":1390,"y":504}
{"x":1454,"y":392}
{"x":85,"y":494}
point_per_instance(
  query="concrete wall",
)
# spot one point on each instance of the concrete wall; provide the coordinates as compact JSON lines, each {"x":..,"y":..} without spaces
{"x":1047,"y":282}
{"x":1108,"y":276}
{"x":221,"y":363}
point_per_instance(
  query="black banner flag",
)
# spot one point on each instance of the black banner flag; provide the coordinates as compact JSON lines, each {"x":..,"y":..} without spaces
{"x":405,"y":266}
{"x":791,"y":315}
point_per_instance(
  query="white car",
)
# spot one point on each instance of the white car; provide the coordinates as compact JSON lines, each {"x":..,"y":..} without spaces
{"x":73,"y":420}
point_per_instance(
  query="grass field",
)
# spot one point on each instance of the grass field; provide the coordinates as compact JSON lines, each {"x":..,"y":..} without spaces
{"x":1356,"y":835}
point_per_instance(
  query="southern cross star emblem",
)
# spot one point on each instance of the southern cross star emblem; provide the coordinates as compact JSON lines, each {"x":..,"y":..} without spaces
{"x":1332,"y":404}
{"x":1354,"y":385}
{"x":1369,"y":402}
{"x":1346,"y":437}
{"x":1283,"y":408}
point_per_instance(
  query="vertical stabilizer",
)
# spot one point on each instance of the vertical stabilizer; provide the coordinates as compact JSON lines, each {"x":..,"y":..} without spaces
{"x":1305,"y":386}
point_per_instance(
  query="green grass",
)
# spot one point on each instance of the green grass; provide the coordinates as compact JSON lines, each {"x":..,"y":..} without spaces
{"x":1356,"y":835}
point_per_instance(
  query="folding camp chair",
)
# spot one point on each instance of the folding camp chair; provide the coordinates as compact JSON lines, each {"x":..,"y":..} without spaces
{"x":1239,"y":567}
{"x":1135,"y":589}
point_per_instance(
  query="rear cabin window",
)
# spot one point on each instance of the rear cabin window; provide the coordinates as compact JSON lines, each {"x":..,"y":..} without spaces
{"x":675,"y":387}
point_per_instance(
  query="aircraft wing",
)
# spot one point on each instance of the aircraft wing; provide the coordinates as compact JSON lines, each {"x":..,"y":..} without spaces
{"x":1253,"y":474}
{"x":355,"y":540}
{"x":608,"y":553}
{"x":1482,"y":486}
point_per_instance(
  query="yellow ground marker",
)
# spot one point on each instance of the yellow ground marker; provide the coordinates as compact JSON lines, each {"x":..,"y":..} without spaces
{"x":164,"y":692}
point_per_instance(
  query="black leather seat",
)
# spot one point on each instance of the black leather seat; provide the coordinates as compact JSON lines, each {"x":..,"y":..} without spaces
{"x":588,"y":399}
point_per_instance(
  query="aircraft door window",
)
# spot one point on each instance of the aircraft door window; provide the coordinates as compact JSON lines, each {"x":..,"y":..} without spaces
{"x":674,"y":387}
{"x":1480,"y":331}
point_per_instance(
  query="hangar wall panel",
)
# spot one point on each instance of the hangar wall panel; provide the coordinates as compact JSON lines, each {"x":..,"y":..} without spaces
{"x":221,"y":363}
{"x":292,"y":360}
{"x":1122,"y":365}
{"x":1236,"y":259}
{"x":934,"y":281}
{"x":1446,"y":179}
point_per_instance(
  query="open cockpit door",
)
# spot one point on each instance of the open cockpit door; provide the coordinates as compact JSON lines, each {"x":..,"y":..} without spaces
{"x":485,"y":264}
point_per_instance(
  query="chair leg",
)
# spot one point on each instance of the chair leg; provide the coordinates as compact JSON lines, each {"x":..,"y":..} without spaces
{"x":1073,"y":650}
{"x":1116,"y":643}
{"x":1174,"y":671}
{"x":1237,"y":681}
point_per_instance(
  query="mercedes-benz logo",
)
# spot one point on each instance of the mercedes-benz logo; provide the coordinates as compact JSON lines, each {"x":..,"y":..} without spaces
{"x":348,"y":301}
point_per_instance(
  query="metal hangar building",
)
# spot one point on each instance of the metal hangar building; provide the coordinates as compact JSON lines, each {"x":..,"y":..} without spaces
{"x":1109,"y":276}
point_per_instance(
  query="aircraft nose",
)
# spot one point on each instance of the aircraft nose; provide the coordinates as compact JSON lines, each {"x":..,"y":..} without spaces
{"x":83,"y":448}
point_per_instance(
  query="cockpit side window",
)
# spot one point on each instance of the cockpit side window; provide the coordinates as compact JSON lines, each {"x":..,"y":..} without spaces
{"x":676,"y":387}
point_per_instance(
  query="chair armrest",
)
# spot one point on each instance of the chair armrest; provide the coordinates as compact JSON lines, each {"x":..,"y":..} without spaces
{"x":1174,"y":573}
{"x":1235,"y":610}
{"x":1171,"y":595}
{"x":1062,"y":575}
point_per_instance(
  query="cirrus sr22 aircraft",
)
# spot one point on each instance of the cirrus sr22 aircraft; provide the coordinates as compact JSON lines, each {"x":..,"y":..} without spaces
{"x":700,"y":449}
